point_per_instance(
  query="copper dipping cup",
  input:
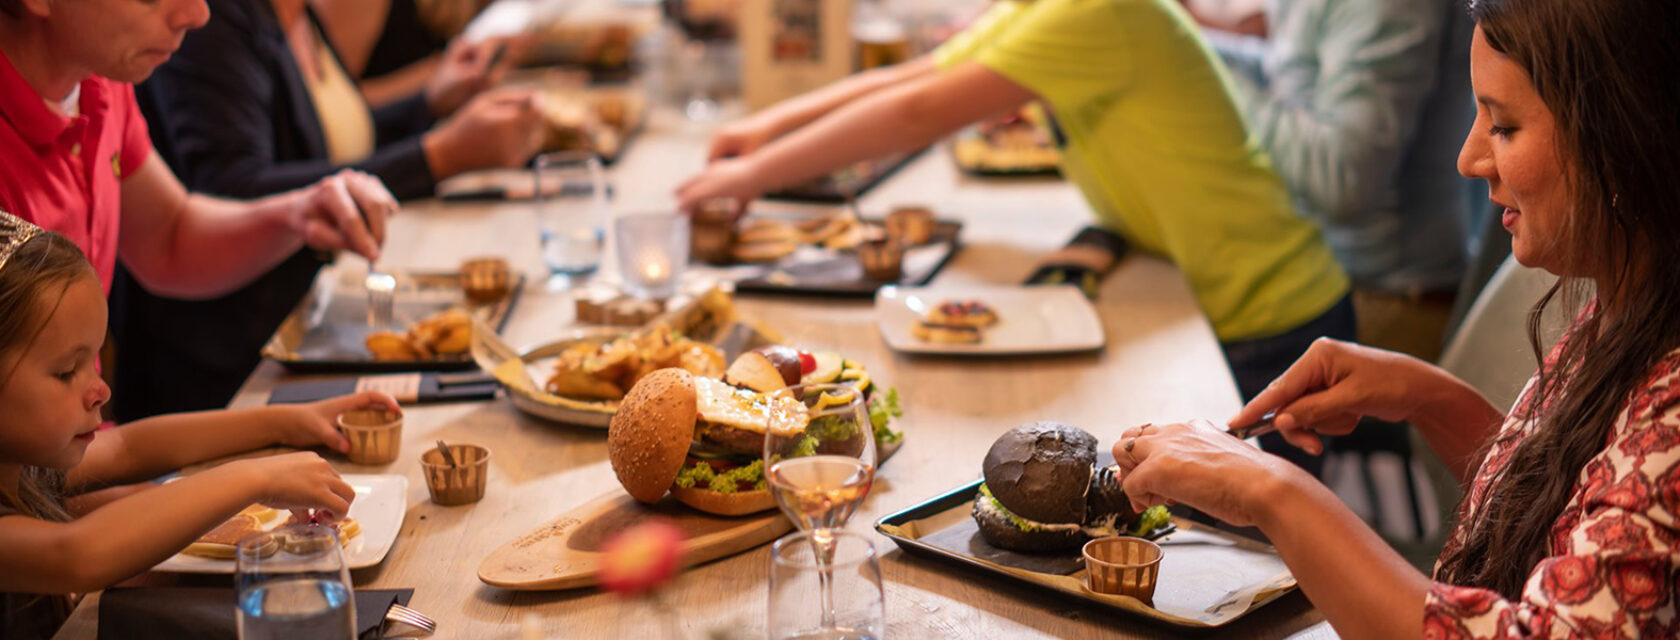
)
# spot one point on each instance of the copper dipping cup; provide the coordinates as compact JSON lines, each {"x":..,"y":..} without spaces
{"x":486,"y":280}
{"x":375,"y":435}
{"x":712,"y":230}
{"x":882,"y":259}
{"x":910,"y":226}
{"x":460,"y":484}
{"x":1122,"y":565}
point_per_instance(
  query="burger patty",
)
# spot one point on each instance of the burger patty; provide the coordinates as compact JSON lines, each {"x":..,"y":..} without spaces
{"x":733,"y":440}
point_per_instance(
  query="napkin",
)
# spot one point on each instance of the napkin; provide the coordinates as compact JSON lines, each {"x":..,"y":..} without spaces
{"x":407,"y":388}
{"x":1089,"y":256}
{"x":206,"y":613}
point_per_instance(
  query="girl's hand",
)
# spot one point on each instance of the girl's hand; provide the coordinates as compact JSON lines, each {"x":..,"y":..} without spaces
{"x":727,"y":178}
{"x":316,"y":423}
{"x":1336,"y":383}
{"x":1199,"y":465}
{"x":739,"y":138}
{"x":299,"y":481}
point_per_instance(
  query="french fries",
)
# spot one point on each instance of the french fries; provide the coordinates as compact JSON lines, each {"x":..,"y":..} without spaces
{"x":446,"y":334}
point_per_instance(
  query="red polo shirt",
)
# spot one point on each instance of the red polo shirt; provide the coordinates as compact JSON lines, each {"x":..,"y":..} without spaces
{"x":63,"y":173}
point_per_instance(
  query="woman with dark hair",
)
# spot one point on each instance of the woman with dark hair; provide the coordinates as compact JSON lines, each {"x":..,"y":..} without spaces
{"x":1569,"y":527}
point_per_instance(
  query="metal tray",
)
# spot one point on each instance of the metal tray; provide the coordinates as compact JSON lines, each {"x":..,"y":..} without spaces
{"x":846,"y":184}
{"x":1208,"y":577}
{"x":326,"y":332}
{"x":827,"y":272}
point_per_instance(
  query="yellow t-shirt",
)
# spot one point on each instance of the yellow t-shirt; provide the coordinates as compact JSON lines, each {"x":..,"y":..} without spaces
{"x":1156,"y":144}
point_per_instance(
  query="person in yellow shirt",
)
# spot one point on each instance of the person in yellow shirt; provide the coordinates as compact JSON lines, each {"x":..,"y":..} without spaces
{"x":1151,"y":136}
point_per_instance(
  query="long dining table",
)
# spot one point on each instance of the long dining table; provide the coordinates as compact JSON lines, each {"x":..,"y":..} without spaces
{"x":1161,"y":363}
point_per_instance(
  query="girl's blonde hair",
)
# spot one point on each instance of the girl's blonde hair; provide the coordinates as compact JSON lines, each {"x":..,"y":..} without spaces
{"x":32,"y":285}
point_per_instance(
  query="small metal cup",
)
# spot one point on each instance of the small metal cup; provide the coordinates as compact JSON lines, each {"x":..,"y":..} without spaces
{"x":1122,"y":565}
{"x":712,"y":230}
{"x":882,"y":259}
{"x":375,"y":435}
{"x":486,"y":280}
{"x":910,"y":226}
{"x":460,"y":484}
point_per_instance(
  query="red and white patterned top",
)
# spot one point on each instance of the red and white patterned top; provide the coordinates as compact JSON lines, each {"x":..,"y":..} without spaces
{"x":1613,"y":567}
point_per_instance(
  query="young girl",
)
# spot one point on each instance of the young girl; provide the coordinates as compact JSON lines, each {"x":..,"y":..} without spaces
{"x":52,"y":322}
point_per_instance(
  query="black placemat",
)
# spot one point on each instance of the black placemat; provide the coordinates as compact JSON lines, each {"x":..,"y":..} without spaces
{"x":206,"y":613}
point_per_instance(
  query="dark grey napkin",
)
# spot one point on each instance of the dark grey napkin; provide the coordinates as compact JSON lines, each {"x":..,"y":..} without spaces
{"x":206,"y":613}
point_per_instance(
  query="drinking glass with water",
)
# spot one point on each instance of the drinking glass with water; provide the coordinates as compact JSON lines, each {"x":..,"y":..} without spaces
{"x":293,"y":583}
{"x":572,"y":210}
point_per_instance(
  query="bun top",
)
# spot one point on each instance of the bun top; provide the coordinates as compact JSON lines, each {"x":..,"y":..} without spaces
{"x":1041,"y":471}
{"x":649,"y":436}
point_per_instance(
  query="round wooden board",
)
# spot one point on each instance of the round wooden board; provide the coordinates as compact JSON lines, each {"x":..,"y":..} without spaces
{"x":565,"y":553}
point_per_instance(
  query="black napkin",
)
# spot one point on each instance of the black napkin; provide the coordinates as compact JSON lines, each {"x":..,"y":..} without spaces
{"x":206,"y":613}
{"x":1089,"y":256}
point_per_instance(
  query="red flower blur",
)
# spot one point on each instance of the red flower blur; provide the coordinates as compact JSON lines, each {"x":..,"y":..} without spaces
{"x":642,"y":558}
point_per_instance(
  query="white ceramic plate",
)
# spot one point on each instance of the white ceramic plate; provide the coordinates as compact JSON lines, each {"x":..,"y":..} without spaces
{"x":1036,"y":319}
{"x":381,"y":503}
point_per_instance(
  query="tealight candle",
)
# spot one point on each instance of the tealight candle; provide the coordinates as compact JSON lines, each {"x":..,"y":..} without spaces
{"x":652,"y":250}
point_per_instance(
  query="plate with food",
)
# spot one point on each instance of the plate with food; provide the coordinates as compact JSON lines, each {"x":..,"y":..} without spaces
{"x":689,"y":449}
{"x":1018,"y":144}
{"x":367,"y":532}
{"x":332,"y":331}
{"x":1045,"y":490}
{"x":988,"y":320}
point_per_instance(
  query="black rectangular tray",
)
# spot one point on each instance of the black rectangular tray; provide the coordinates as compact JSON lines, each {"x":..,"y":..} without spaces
{"x":1056,"y":574}
{"x":846,"y":185}
{"x":325,"y":333}
{"x":840,"y":274}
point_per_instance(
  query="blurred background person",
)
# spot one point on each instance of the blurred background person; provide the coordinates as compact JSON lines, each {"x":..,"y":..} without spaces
{"x":257,"y":102}
{"x":396,"y":48}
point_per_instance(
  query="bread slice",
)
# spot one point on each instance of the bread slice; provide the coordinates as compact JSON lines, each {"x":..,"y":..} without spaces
{"x":221,"y":542}
{"x":945,"y":334}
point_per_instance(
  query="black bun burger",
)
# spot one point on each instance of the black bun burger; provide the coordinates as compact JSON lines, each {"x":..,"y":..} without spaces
{"x":1043,"y":492}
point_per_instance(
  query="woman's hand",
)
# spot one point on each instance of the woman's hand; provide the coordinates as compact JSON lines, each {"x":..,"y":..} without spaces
{"x":316,"y":423}
{"x":740,"y":138}
{"x":1199,"y":465}
{"x":466,"y":69}
{"x":727,"y":178}
{"x":346,"y":210}
{"x":1336,"y":383}
{"x":299,"y":482}
{"x":499,"y":128}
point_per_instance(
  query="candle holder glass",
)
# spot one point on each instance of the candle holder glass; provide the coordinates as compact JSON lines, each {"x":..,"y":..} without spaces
{"x":652,"y":251}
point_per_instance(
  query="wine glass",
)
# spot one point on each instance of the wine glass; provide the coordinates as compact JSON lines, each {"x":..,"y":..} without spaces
{"x":820,"y":468}
{"x":571,"y":205}
{"x":293,"y":583}
{"x":853,"y":575}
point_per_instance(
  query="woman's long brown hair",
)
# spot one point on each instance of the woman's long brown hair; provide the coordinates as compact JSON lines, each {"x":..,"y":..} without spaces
{"x":1607,"y":71}
{"x":32,"y":284}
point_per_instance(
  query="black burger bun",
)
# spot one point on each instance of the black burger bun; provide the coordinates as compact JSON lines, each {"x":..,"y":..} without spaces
{"x":996,"y":529}
{"x":1041,"y":471}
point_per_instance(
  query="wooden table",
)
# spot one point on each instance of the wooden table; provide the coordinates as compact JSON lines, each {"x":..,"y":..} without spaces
{"x":1161,"y":363}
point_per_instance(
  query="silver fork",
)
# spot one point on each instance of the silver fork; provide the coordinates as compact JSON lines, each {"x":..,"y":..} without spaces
{"x":403,"y":622}
{"x":381,"y":292}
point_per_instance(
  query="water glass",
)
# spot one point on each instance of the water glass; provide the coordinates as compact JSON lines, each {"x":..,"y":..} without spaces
{"x":293,"y":583}
{"x":571,"y":218}
{"x":797,"y":577}
{"x":652,"y":251}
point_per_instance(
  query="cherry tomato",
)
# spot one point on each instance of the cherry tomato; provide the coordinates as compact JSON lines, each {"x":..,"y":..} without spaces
{"x":807,"y":363}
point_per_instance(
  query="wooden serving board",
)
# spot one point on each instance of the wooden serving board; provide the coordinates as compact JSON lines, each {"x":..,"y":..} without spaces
{"x":565,"y":553}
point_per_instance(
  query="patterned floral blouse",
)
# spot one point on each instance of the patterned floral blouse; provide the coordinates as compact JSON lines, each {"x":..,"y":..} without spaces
{"x":1614,"y":565}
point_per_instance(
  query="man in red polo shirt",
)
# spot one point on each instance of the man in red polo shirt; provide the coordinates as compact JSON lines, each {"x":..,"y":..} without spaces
{"x":74,"y":153}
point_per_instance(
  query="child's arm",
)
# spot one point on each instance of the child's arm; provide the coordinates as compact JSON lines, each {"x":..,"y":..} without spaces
{"x":148,"y":448}
{"x":131,"y":535}
{"x":752,"y":132}
{"x":901,"y":118}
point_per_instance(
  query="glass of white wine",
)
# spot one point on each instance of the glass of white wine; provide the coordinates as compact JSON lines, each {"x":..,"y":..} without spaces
{"x":820,"y":469}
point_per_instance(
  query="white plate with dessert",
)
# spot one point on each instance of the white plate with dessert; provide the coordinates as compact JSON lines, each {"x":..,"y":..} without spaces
{"x":987,"y":320}
{"x":375,"y":518}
